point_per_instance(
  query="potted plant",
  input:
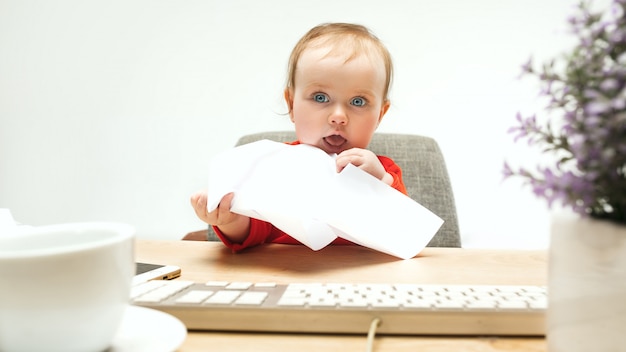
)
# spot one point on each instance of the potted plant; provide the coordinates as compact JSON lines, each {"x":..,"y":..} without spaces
{"x":582,"y":135}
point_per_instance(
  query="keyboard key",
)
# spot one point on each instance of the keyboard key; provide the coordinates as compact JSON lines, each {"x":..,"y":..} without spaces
{"x":292,"y":302}
{"x":265,"y":285}
{"x":161,"y":290}
{"x":239,"y":285}
{"x":145,"y":288}
{"x":353,"y":303}
{"x":223,"y":297}
{"x":251,"y":298}
{"x":386,"y":303}
{"x":425,"y":304}
{"x":217,"y":283}
{"x":195,"y":296}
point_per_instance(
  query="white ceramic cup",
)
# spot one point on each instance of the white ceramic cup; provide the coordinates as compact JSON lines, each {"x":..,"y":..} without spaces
{"x":65,"y":287}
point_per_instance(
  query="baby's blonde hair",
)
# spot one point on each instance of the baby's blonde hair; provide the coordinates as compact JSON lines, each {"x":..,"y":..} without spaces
{"x":347,"y":37}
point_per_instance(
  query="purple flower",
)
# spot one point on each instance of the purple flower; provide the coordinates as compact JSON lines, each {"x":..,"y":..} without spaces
{"x":585,"y":130}
{"x":528,"y":66}
{"x":597,"y":107}
{"x":609,"y":84}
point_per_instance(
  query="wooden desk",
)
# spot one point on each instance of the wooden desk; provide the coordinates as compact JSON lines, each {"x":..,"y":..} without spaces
{"x":204,"y":261}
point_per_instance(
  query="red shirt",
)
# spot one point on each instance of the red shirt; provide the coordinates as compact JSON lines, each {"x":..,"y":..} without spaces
{"x":264,"y":232}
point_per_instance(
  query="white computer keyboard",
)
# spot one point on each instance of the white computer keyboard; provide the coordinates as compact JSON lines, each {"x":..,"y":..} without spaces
{"x":401,"y":309}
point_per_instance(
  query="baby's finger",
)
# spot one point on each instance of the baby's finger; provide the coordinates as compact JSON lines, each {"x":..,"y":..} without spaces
{"x":343,"y":161}
{"x":199,"y":206}
{"x":226,"y":201}
{"x":198,"y":200}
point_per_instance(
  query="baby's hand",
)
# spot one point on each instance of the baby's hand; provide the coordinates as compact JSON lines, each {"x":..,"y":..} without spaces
{"x":218,"y":216}
{"x":364,"y":160}
{"x":232,"y":225}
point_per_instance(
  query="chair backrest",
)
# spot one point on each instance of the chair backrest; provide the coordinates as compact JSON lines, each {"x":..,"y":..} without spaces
{"x":423,"y":170}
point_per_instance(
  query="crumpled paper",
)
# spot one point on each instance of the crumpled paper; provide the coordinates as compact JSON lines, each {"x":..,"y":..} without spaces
{"x":298,"y":189}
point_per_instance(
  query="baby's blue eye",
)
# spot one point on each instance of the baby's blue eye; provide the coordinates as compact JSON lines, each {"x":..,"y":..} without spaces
{"x":320,"y":98}
{"x":358,"y":101}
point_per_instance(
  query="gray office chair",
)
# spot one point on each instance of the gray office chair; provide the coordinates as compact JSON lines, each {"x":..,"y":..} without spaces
{"x":423,"y":170}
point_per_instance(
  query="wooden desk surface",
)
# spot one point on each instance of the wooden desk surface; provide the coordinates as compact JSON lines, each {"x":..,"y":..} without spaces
{"x":204,"y":261}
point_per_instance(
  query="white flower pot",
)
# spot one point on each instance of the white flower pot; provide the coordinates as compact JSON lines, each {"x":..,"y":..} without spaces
{"x":586,"y":285}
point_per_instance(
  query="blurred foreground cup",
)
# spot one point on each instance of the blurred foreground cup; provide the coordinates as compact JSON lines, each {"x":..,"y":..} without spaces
{"x":65,"y":287}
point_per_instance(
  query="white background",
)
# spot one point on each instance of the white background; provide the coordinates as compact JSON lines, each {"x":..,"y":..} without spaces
{"x":111,"y":110}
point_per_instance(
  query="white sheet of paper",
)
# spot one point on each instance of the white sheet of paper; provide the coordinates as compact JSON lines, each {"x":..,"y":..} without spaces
{"x":298,"y":190}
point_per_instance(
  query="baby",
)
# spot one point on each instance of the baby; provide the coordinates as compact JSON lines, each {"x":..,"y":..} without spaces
{"x":338,"y":82}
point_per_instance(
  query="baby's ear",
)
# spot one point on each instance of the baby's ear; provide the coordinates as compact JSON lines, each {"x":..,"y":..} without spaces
{"x":288,"y":94}
{"x":383,"y":110}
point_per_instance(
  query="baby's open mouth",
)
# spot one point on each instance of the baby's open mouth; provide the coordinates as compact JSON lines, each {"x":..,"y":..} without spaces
{"x":335,"y":140}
